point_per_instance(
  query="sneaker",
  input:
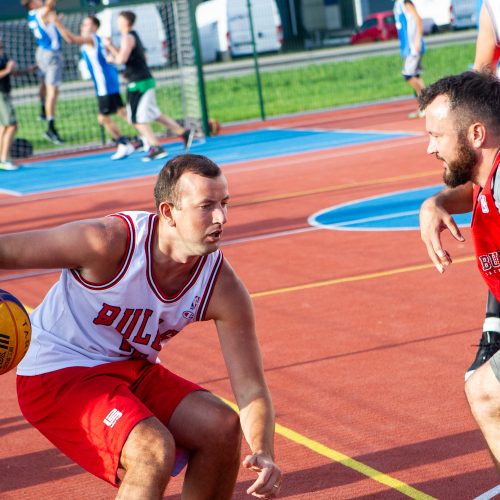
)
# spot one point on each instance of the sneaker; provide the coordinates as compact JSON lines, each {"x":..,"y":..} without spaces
{"x":140,"y":144}
{"x":137,"y":143}
{"x":122,"y":151}
{"x":155,"y":153}
{"x":488,"y":346}
{"x":416,"y":114}
{"x":187,"y":138}
{"x":8,"y":165}
{"x":53,"y":136}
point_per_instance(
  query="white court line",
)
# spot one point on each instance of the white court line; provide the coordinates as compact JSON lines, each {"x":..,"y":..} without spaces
{"x":372,"y":219}
{"x":10,"y":193}
{"x":487,"y":495}
{"x":332,"y":154}
{"x":277,"y":234}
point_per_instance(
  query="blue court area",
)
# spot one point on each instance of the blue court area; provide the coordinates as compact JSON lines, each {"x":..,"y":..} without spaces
{"x":82,"y":170}
{"x":392,"y":211}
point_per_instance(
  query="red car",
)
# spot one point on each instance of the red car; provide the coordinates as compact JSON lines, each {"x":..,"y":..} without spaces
{"x":376,"y":27}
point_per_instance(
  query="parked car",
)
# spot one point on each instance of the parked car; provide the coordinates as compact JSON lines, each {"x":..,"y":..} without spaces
{"x":376,"y":27}
{"x":464,"y":14}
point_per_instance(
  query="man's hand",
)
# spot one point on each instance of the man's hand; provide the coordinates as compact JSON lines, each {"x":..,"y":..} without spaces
{"x":433,"y":220}
{"x":268,"y":483}
{"x":10,"y":66}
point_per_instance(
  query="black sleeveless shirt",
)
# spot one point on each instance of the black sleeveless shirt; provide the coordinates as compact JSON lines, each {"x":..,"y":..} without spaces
{"x":136,"y":68}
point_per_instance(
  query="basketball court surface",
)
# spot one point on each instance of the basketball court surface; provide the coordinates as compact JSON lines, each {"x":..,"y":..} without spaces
{"x":365,"y":344}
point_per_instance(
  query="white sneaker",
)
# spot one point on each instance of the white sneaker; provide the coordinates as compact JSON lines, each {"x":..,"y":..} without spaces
{"x":145,"y":145}
{"x":123,"y":151}
{"x":416,"y":114}
{"x":8,"y":165}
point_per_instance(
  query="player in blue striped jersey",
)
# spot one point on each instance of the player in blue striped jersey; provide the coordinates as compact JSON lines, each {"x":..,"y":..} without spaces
{"x":105,"y":78}
{"x":49,"y":57}
{"x":410,"y":33}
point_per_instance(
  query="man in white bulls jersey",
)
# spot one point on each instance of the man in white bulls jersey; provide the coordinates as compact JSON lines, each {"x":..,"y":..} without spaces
{"x":91,"y":381}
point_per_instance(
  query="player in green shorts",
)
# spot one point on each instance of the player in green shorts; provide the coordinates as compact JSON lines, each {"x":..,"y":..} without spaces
{"x":141,"y":99}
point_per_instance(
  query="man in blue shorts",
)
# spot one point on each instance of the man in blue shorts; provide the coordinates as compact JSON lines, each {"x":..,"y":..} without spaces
{"x":410,"y":32}
{"x":105,"y":78}
{"x":49,"y":57}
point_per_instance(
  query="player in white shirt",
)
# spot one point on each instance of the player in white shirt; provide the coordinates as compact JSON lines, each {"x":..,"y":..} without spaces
{"x":91,"y":381}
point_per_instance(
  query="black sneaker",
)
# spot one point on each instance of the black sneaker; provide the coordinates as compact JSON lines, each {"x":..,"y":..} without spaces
{"x":137,"y":142}
{"x":155,"y":153}
{"x":187,"y":138}
{"x":53,"y":136}
{"x":488,"y":346}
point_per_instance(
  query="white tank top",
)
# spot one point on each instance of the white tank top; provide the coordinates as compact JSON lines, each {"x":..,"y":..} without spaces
{"x":84,"y":324}
{"x":493,"y":9}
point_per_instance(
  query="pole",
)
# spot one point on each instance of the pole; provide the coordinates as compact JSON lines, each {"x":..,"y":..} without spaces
{"x":256,"y":63}
{"x":199,"y":69}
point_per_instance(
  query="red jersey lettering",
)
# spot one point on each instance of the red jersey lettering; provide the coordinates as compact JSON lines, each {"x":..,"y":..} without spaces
{"x":107,"y":315}
{"x":486,"y":233}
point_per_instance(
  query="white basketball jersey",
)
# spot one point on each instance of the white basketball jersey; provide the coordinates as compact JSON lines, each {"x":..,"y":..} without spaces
{"x":85,"y":324}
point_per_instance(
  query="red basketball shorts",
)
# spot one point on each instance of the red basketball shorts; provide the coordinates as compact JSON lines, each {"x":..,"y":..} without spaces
{"x":88,"y":413}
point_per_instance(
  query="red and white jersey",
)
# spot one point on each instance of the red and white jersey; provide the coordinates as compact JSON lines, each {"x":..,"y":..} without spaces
{"x":486,"y":231}
{"x":85,"y":324}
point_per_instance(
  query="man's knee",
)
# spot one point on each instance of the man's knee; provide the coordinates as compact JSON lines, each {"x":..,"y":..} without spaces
{"x":482,"y":390}
{"x":149,"y":445}
{"x":226,"y":428}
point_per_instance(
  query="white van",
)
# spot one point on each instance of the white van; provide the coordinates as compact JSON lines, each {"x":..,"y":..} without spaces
{"x":224,"y":28}
{"x":435,"y":14}
{"x":148,"y":25}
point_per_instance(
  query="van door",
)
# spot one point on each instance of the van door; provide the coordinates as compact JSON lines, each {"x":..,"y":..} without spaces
{"x":267,"y":27}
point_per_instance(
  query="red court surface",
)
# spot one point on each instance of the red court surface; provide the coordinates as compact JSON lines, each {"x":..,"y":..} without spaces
{"x":365,"y":344}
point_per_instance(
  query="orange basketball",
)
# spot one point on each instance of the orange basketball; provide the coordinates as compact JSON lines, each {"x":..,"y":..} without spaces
{"x":214,"y":126}
{"x":15,"y":331}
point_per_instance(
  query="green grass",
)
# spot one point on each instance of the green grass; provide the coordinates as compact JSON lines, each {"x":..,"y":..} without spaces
{"x":313,"y":87}
{"x":327,"y":85}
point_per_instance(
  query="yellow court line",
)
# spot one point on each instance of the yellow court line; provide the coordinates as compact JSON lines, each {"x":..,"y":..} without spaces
{"x":347,"y":461}
{"x":358,"y":277}
{"x":327,"y":189}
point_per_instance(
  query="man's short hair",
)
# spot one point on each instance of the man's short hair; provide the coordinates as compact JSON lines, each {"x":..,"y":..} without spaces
{"x":474,"y":96}
{"x":129,"y":16}
{"x":95,"y":21}
{"x":26,"y":3}
{"x":166,"y":187}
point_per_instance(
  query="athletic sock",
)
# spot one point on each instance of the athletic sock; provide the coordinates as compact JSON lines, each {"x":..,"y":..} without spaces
{"x":491,"y":324}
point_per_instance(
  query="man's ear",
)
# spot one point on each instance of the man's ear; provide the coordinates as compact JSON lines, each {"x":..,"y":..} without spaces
{"x":166,"y":210}
{"x":477,"y":135}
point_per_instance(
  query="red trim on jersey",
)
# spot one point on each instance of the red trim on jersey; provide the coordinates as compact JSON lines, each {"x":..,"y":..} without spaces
{"x":191,"y":280}
{"x":207,"y":295}
{"x":486,"y":232}
{"x":125,"y":263}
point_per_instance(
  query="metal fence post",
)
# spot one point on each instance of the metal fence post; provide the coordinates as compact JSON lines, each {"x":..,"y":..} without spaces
{"x":256,"y":62}
{"x":199,"y":69}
